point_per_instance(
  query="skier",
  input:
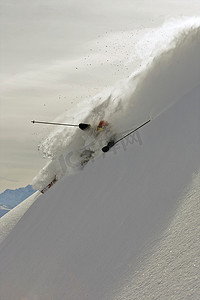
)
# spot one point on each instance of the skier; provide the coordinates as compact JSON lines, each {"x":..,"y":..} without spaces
{"x":101,"y":126}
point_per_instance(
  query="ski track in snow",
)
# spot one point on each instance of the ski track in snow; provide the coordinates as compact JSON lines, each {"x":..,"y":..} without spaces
{"x":148,"y":92}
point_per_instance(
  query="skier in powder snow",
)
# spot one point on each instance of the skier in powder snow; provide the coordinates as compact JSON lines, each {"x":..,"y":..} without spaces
{"x":102,"y":125}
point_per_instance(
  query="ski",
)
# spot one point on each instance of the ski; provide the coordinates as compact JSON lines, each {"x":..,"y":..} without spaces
{"x":111,"y":143}
{"x":82,"y":126}
{"x":48,"y":186}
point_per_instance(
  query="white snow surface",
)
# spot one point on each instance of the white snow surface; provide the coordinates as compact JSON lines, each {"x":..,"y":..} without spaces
{"x":171,"y":268}
{"x":169,"y":52}
{"x":127,"y":225}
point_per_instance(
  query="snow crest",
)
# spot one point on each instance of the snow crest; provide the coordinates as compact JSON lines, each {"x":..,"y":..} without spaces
{"x":168,"y":52}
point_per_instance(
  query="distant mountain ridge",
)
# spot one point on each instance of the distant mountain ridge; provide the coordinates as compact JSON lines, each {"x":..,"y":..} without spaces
{"x":11,"y":198}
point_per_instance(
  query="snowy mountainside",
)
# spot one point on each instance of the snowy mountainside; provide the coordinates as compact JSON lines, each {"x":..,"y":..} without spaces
{"x":84,"y":239}
{"x":148,"y":92}
{"x":10,"y":219}
{"x":11,"y":198}
{"x":81,"y":238}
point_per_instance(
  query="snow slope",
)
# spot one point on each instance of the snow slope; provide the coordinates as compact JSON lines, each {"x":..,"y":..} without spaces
{"x":172,"y":269}
{"x":86,"y":236}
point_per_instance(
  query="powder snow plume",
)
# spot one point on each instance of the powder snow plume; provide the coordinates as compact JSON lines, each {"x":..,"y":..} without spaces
{"x":170,"y":68}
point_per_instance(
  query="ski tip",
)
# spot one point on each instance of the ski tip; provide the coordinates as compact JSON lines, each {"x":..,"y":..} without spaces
{"x":33,"y":121}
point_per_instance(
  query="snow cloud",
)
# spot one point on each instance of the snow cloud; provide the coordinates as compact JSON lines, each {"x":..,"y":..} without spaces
{"x":164,"y":77}
{"x":57,"y":53}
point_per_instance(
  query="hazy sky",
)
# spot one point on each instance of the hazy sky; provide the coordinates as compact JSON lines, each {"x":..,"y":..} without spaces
{"x":55,"y":53}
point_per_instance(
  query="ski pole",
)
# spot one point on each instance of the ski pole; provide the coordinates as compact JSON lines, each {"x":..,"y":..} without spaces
{"x":82,"y":126}
{"x":112,"y":142}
